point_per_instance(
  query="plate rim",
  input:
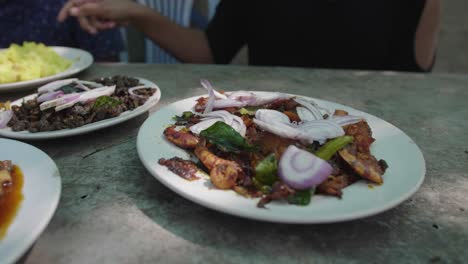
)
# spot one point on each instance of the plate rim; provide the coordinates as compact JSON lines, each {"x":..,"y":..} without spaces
{"x":34,"y":234}
{"x":221,"y":209}
{"x":151,"y":102}
{"x":30,"y":84}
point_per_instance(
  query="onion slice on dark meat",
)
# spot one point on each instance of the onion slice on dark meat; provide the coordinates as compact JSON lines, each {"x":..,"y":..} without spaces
{"x":301,"y":169}
{"x":312,"y":107}
{"x":346,"y":120}
{"x":49,"y":96}
{"x":5,"y":117}
{"x":52,"y":86}
{"x":207,"y":85}
{"x":132,"y":90}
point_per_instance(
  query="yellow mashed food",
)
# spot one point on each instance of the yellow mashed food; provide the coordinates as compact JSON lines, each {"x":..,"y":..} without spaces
{"x":30,"y":61}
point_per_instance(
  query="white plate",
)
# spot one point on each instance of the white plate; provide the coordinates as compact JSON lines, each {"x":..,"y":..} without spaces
{"x":402,"y":179}
{"x":81,"y":60}
{"x":41,"y":191}
{"x":152,"y":101}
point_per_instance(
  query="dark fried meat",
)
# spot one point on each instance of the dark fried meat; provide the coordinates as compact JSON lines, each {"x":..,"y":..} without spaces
{"x":181,"y":138}
{"x":364,"y":164}
{"x":186,"y":169}
{"x":335,"y":184}
{"x":279,"y":191}
{"x":29,"y":117}
{"x":362,"y":135}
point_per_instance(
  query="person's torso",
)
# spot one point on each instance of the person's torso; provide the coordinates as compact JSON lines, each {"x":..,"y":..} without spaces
{"x":323,"y":33}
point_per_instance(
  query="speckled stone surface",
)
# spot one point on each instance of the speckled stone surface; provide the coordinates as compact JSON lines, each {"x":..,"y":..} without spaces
{"x":113,"y":211}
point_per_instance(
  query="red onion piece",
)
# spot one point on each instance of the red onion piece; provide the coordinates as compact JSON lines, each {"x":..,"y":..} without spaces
{"x":211,"y":99}
{"x":49,"y":96}
{"x":62,"y":100}
{"x":270,"y":116}
{"x":346,"y":120}
{"x":232,"y":120}
{"x":5,"y":117}
{"x":131,"y":91}
{"x":52,"y":86}
{"x":321,"y":130}
{"x":207,"y":85}
{"x":312,"y":107}
{"x":200,"y":126}
{"x":93,"y":94}
{"x":301,"y":169}
{"x":283,"y":130}
{"x":225,"y":103}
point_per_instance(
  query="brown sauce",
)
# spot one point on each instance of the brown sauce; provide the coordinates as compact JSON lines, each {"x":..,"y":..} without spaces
{"x":9,"y":204}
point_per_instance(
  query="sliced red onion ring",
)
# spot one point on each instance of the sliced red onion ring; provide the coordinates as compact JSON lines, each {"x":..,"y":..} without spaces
{"x":200,"y":126}
{"x":312,"y":107}
{"x":261,"y":98}
{"x":301,"y":169}
{"x":268,"y":115}
{"x":93,"y":94}
{"x":346,"y":120}
{"x":90,"y":84}
{"x":52,"y":86}
{"x":232,"y":120}
{"x":225,"y":103}
{"x":243,"y":96}
{"x":59,"y":101}
{"x":207,"y":85}
{"x":321,"y":130}
{"x":131,"y":91}
{"x":81,"y":85}
{"x":211,"y":100}
{"x":49,"y":96}
{"x":5,"y":117}
{"x":283,"y":130}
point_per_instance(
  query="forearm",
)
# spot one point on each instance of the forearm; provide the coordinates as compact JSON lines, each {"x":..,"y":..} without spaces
{"x":187,"y":45}
{"x":427,"y":34}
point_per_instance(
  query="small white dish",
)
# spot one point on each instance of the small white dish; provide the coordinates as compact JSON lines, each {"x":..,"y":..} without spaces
{"x":41,"y":191}
{"x":26,"y":135}
{"x":81,"y":60}
{"x":402,"y":179}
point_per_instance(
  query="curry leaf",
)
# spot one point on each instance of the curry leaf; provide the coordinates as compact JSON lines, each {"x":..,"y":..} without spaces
{"x":106,"y":101}
{"x":226,"y":138}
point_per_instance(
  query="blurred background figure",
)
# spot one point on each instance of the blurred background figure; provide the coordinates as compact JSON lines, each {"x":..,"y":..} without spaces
{"x":377,"y":35}
{"x":35,"y":20}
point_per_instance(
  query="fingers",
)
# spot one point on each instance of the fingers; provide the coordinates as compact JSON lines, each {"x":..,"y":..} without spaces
{"x":63,"y":13}
{"x":65,"y":10}
{"x":87,"y":9}
{"x":101,"y":24}
{"x":86,"y":25}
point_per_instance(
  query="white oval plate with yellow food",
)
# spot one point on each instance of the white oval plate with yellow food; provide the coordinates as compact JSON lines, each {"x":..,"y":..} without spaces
{"x":81,"y":60}
{"x":127,"y":115}
{"x":41,"y":193}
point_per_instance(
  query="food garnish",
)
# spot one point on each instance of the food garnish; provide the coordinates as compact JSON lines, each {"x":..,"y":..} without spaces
{"x":275,"y":146}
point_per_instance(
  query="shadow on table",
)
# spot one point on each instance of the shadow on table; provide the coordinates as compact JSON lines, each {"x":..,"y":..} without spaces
{"x":219,"y":231}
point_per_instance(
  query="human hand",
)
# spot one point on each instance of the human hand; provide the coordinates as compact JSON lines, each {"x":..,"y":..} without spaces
{"x":95,"y":15}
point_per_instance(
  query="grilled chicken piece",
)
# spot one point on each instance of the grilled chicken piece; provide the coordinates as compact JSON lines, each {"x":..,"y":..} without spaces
{"x":335,"y":184}
{"x":181,"y":138}
{"x":364,"y":164}
{"x":362,"y":136}
{"x":223,"y":173}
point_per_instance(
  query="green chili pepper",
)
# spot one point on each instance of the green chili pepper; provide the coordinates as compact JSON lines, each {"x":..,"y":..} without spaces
{"x":301,"y":197}
{"x":263,"y":188}
{"x":266,"y":170}
{"x":331,"y":147}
